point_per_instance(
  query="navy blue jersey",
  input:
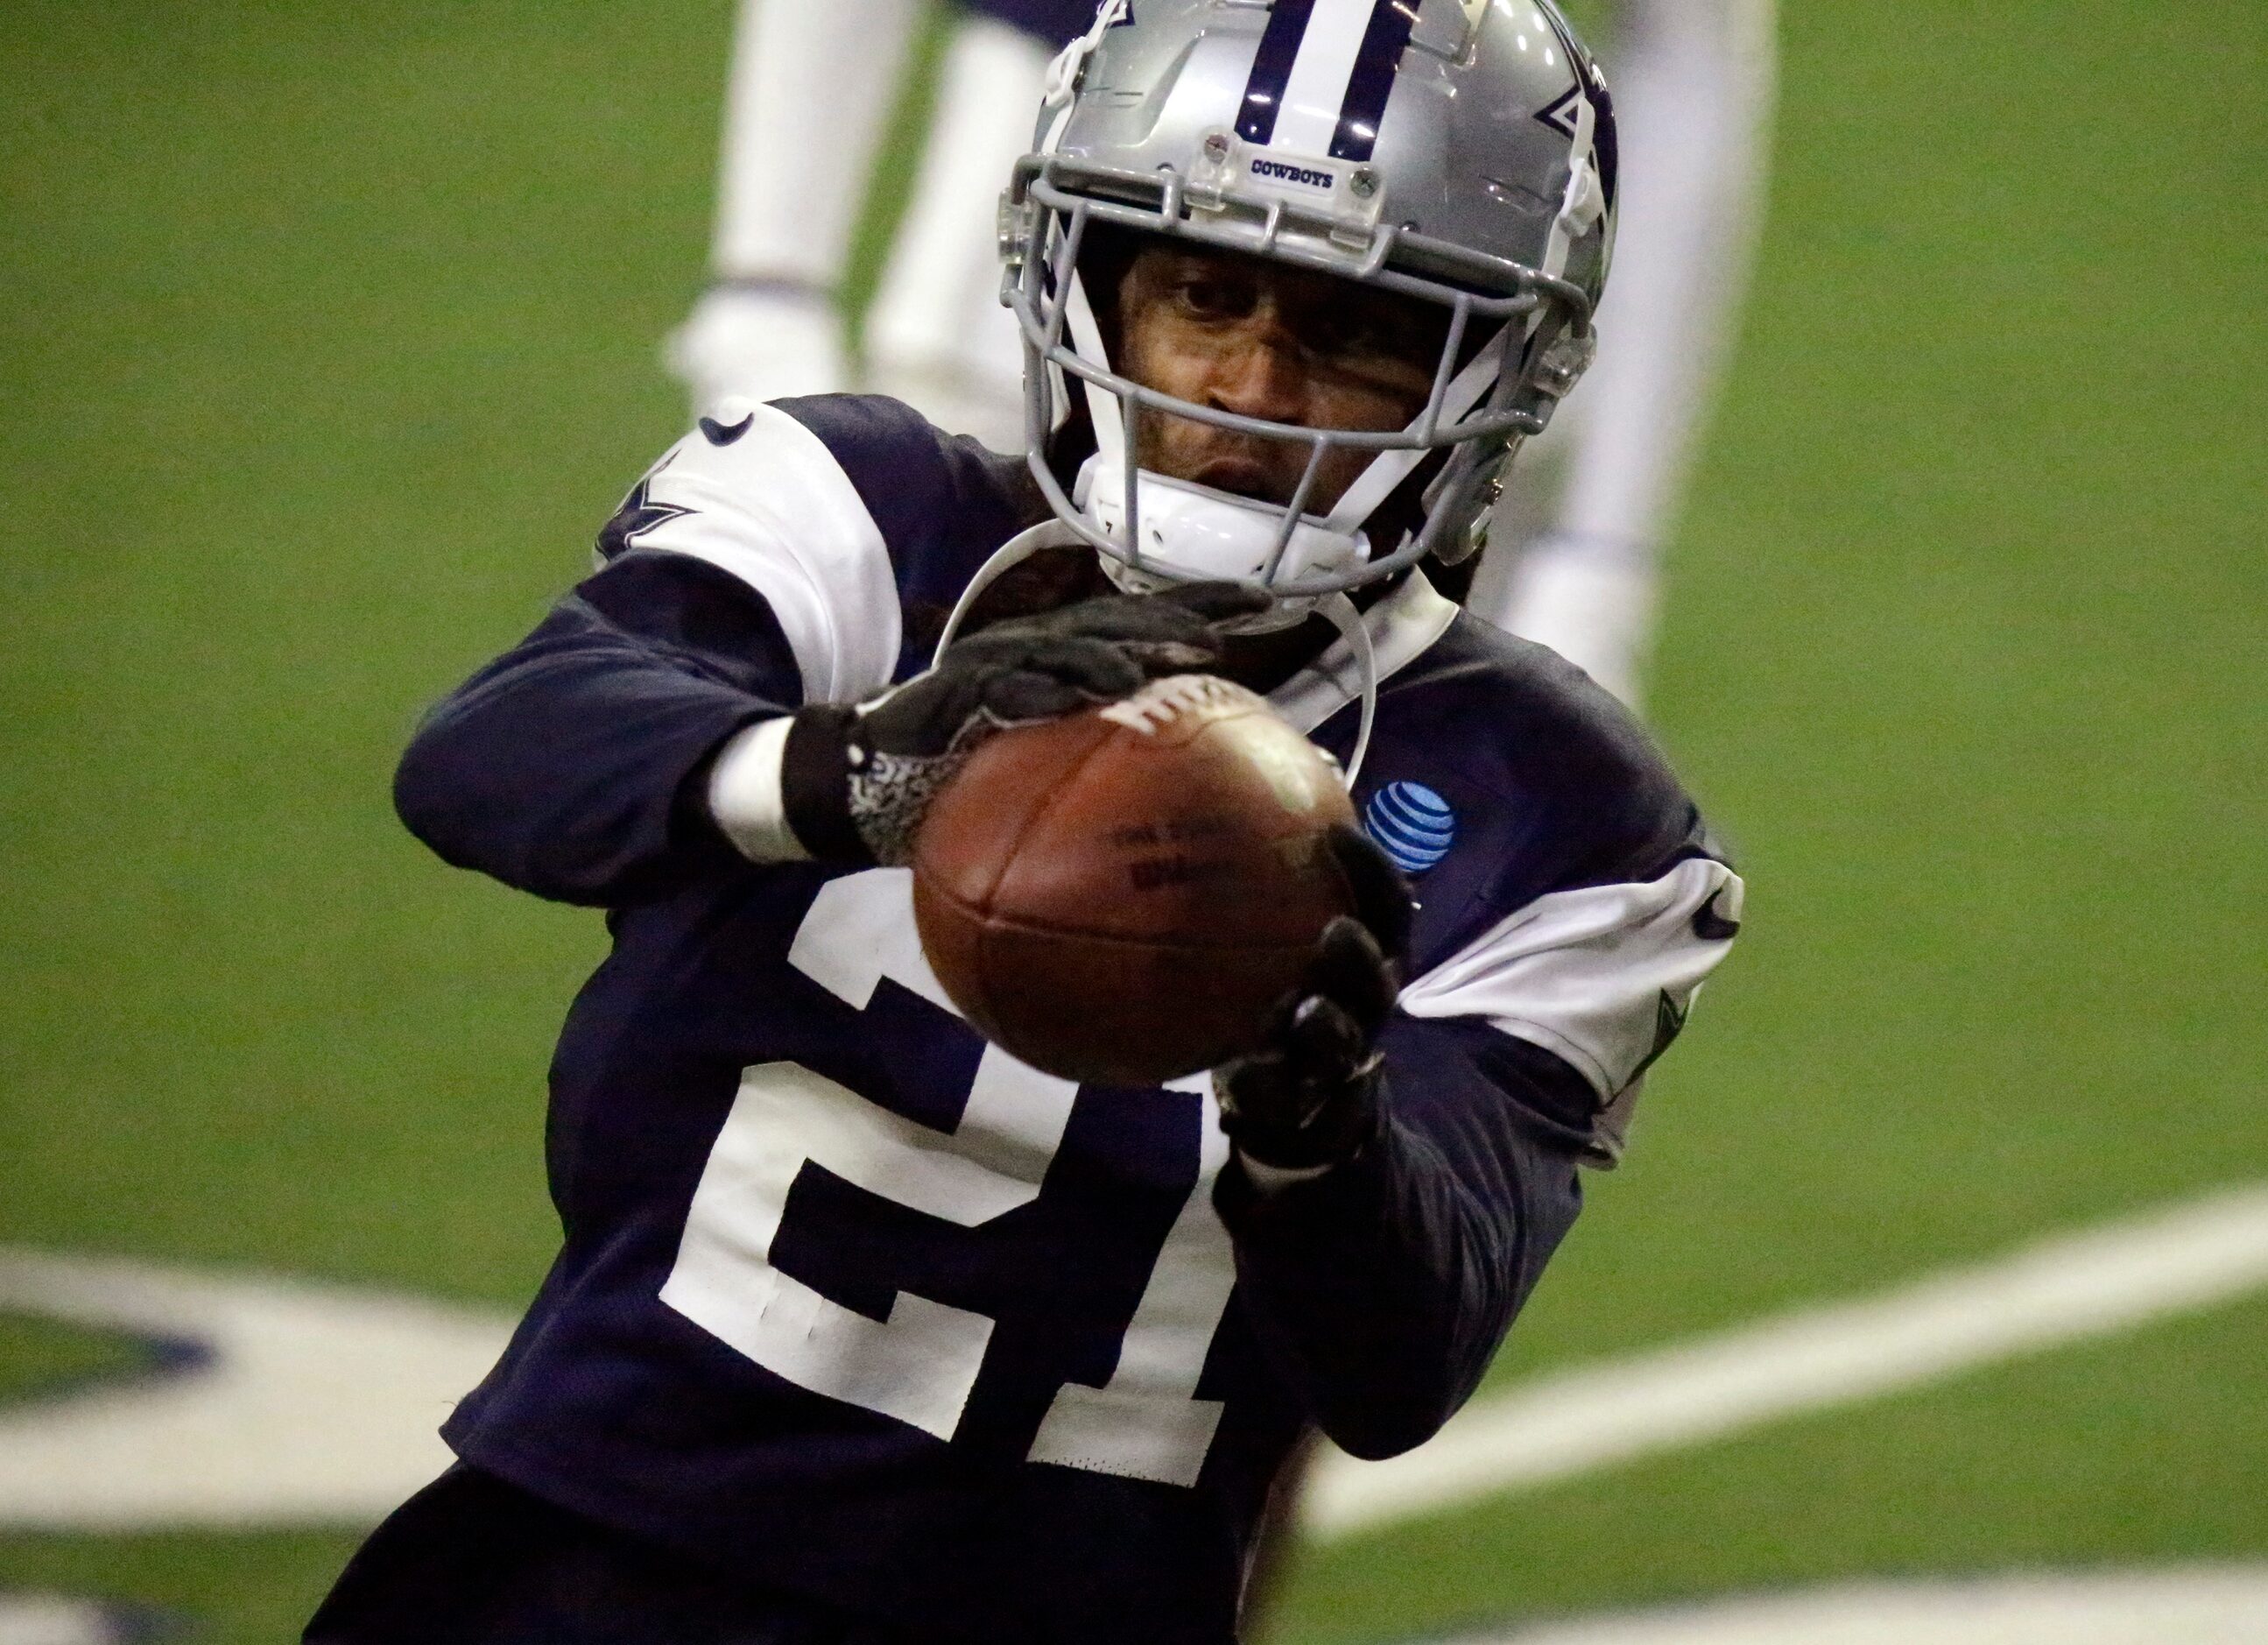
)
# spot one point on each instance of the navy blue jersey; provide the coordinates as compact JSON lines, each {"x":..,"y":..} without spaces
{"x":853,"y":1301}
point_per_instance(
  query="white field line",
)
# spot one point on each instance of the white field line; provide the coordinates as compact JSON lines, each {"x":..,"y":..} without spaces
{"x":318,"y":1404}
{"x":2181,"y":1605}
{"x":2063,"y":1290}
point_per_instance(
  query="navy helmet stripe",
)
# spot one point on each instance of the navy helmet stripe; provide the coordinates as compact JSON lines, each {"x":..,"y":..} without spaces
{"x":1271,"y":70}
{"x":1383,"y":42}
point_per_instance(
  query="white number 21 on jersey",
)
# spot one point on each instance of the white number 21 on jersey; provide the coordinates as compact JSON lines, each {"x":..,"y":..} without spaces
{"x":920,"y":1363}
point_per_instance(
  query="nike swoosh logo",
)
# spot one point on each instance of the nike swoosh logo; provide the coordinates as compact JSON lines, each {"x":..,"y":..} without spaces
{"x":1710,"y":925}
{"x":719,"y":434}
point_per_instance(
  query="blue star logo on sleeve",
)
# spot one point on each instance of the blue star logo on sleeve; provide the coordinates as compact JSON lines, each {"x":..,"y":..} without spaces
{"x":638,"y":514}
{"x":1668,"y":1023}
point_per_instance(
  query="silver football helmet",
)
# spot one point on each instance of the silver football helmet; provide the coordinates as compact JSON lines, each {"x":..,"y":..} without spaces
{"x":1458,"y":151}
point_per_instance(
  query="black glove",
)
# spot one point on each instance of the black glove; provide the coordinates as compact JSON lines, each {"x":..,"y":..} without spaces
{"x":1308,"y":1096}
{"x":856,"y":781}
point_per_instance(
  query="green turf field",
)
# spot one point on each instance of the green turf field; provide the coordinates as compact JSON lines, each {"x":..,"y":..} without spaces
{"x":328,"y":337}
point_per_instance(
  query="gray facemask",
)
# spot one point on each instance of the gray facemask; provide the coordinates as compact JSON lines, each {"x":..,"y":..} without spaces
{"x":1457,"y":152}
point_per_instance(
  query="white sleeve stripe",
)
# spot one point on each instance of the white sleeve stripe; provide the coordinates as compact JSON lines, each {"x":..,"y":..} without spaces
{"x":1584,"y":973}
{"x":776,"y":510}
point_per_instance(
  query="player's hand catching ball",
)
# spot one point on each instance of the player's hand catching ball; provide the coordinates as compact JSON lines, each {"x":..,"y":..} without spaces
{"x":1308,"y":1097}
{"x":856,"y":780}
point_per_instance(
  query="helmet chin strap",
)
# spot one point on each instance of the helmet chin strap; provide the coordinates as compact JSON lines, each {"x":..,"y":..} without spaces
{"x":1375,"y":484}
{"x":1103,"y":407}
{"x":1355,"y":633}
{"x":1049,"y":534}
{"x":1060,"y":93}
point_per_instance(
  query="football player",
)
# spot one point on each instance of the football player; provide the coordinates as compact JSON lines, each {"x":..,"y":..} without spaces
{"x":1577,"y":562}
{"x":861,"y":1330}
{"x":807,"y":104}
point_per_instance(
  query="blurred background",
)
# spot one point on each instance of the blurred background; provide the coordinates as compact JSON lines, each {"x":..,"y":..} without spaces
{"x":329,"y":337}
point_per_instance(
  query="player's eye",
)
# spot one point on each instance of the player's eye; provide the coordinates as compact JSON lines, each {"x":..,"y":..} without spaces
{"x":1368,"y":332}
{"x":1210,"y":296}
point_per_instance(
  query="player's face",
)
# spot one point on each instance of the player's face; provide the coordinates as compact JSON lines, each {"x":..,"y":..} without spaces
{"x":1243,"y":335}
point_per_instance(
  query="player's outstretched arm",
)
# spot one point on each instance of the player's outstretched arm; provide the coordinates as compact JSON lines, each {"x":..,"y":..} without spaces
{"x":1388,"y":1224}
{"x":1693,"y":96}
{"x":1383,"y":1286}
{"x":854,"y":781}
{"x":657,"y":714}
{"x":569,"y":766}
{"x":1406,"y":1161}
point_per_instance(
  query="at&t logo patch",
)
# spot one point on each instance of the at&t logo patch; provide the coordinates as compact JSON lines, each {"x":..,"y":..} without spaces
{"x":1412,"y":824}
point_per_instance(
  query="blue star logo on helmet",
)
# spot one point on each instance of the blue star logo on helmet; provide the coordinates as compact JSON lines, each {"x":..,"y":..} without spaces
{"x":1561,"y":116}
{"x":1412,"y":824}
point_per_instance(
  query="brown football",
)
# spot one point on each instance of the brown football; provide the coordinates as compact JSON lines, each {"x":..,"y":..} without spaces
{"x":1121,"y":896}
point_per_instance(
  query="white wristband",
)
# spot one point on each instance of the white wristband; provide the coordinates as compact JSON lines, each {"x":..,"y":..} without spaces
{"x":745,"y":796}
